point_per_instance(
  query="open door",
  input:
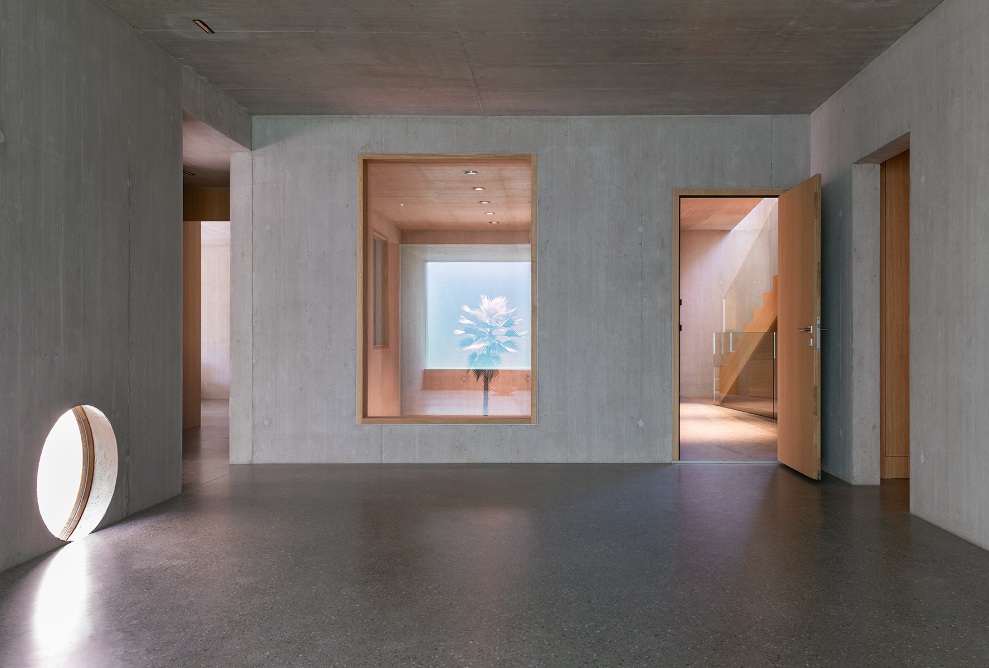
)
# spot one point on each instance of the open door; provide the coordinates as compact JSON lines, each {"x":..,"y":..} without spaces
{"x":799,"y":354}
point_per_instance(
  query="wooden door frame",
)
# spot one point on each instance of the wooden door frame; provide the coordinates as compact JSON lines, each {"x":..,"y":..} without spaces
{"x":894,"y":317}
{"x":711,"y":193}
{"x":864,"y":436}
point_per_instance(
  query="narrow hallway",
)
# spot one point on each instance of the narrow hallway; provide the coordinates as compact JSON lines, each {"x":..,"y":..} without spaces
{"x":206,"y":449}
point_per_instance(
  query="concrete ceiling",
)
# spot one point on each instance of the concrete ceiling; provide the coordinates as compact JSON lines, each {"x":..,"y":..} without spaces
{"x":205,"y":155}
{"x":526,"y":57}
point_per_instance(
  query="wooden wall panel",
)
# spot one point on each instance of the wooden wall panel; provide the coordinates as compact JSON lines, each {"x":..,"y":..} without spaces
{"x":894,"y":328}
{"x":383,"y":362}
{"x":465,"y":237}
{"x":206,"y":204}
{"x":507,"y":380}
{"x":191,"y":324}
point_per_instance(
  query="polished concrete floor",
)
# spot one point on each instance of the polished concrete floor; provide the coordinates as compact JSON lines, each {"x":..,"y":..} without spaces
{"x":714,"y":433}
{"x":543,"y":565}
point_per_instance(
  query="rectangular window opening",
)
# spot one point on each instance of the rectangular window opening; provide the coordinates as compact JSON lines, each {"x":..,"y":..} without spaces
{"x":448,"y":289}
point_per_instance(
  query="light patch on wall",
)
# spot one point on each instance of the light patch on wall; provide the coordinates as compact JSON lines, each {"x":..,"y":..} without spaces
{"x":215,"y":232}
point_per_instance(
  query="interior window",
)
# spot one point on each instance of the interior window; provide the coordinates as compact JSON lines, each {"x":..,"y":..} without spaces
{"x":447,"y":283}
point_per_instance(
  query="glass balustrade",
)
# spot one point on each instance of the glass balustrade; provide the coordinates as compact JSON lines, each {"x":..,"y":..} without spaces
{"x":745,"y":372}
{"x":745,"y":360}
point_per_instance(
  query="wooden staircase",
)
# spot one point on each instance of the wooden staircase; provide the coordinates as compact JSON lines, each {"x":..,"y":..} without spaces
{"x":762,"y":325}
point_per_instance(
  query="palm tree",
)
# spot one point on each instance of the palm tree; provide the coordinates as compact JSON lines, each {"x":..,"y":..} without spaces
{"x":488,"y":333}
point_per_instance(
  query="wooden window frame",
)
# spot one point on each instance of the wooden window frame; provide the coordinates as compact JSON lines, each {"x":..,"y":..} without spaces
{"x":365,"y":247}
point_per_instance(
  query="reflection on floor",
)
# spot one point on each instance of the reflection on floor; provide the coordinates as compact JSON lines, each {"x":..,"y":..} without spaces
{"x":755,"y":405}
{"x":206,"y":449}
{"x":713,"y":433}
{"x":459,"y":402}
{"x":539,"y":565}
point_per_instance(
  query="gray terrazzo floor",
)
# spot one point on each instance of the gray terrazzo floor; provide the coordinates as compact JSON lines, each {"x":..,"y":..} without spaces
{"x":543,"y":565}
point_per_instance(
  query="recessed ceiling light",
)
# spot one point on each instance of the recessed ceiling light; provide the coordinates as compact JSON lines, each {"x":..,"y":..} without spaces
{"x":489,"y":213}
{"x":470,"y":172}
{"x":478,"y":188}
{"x":202,"y":24}
{"x":484,"y":201}
{"x":492,"y":222}
{"x":401,"y":203}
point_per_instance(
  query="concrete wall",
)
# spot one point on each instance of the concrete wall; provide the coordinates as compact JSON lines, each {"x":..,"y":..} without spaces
{"x":90,"y":252}
{"x":241,"y":407}
{"x":205,"y":102}
{"x":934,"y":84}
{"x":604,"y":231}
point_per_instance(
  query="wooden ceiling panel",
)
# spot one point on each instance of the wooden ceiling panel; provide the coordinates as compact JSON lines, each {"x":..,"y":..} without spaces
{"x":440,"y":195}
{"x":714,"y":213}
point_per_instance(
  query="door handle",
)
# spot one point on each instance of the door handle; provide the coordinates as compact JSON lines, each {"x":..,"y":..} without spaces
{"x":807,"y":329}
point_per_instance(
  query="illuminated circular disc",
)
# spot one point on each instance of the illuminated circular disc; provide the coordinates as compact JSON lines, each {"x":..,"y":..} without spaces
{"x":77,"y":472}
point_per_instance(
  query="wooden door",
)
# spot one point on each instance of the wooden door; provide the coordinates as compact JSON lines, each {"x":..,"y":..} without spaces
{"x":799,"y":354}
{"x":894,"y":318}
{"x":192,"y":343}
